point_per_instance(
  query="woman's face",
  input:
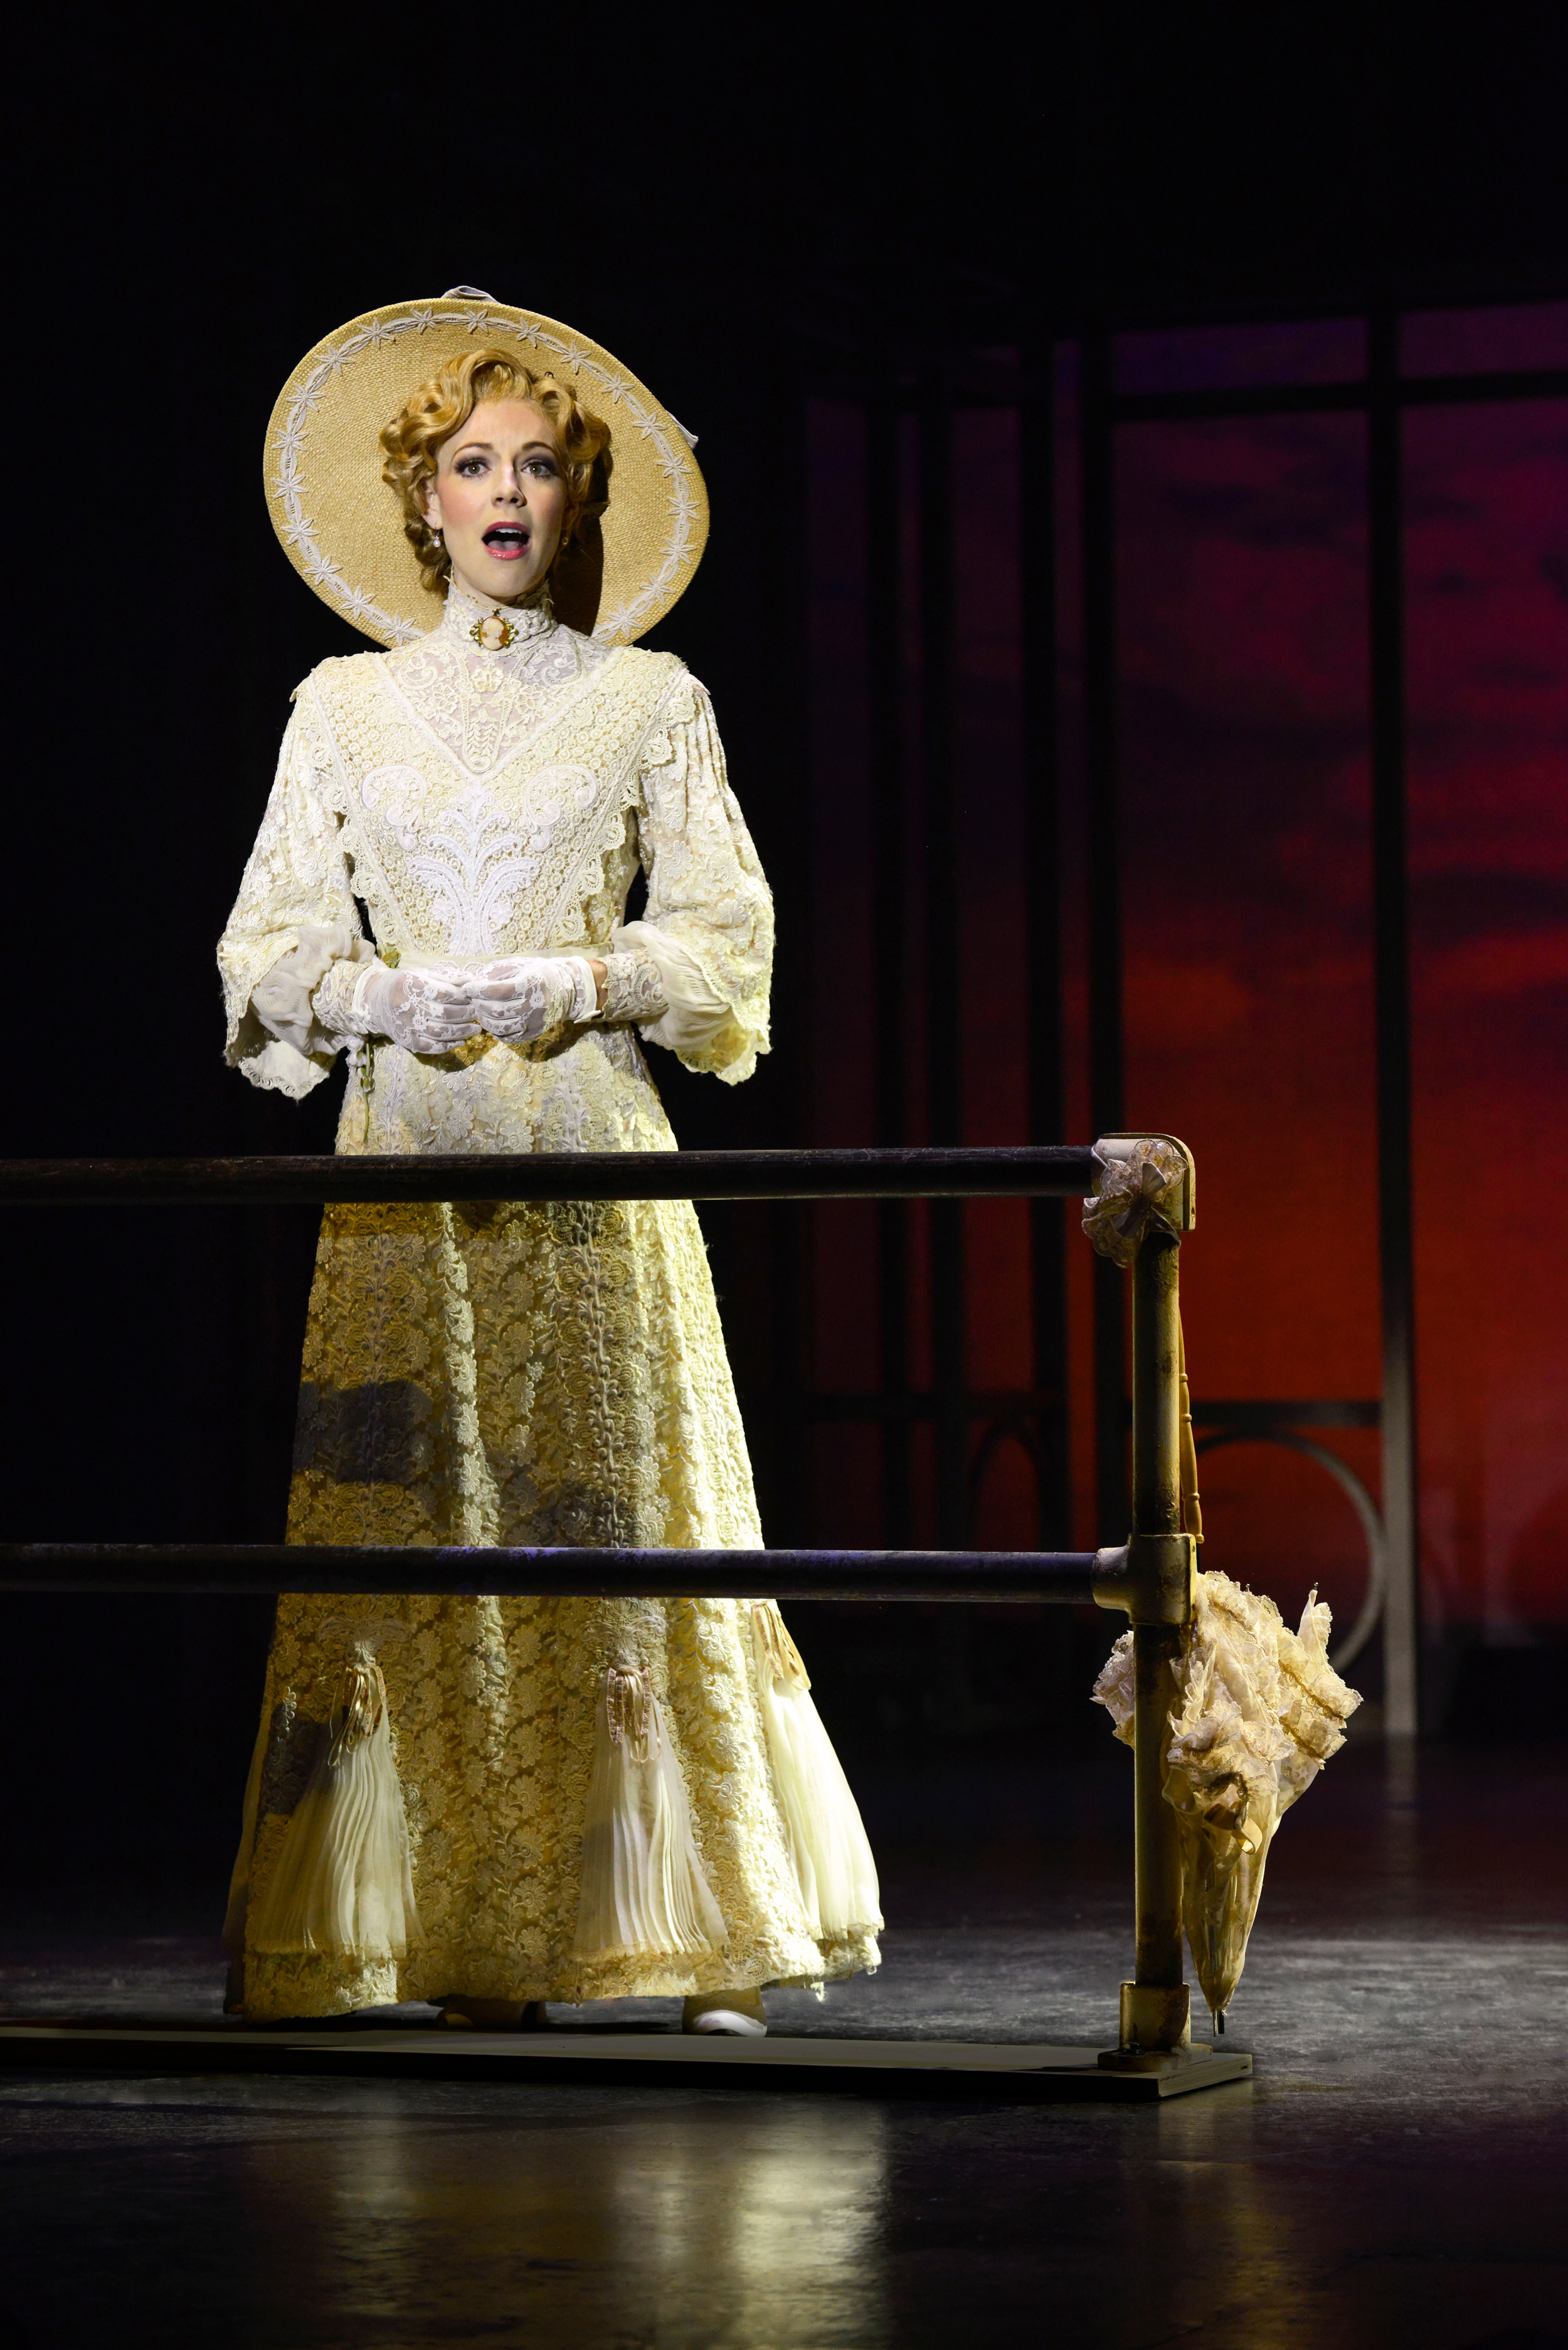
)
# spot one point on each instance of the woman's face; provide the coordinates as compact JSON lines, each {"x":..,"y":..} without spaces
{"x":499,"y":499}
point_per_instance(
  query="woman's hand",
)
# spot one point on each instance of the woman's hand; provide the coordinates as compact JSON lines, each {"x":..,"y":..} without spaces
{"x":424,"y":1011}
{"x":521,"y":998}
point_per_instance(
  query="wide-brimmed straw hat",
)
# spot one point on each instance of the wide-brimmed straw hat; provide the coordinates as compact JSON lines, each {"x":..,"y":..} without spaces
{"x":342,"y":527}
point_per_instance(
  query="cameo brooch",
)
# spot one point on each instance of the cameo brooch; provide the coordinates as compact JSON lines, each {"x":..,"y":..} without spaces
{"x":492,"y":632}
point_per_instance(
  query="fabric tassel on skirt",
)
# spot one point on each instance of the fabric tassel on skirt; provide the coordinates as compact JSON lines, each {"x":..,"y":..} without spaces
{"x":643,"y":1886}
{"x":833,"y":1863}
{"x":342,"y":1882}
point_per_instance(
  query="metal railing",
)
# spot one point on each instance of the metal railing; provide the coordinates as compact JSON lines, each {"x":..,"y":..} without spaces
{"x":1149,"y":1577}
{"x":1058,"y":1173}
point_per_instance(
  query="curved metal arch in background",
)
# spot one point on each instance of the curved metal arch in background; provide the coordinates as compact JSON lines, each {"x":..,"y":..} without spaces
{"x":1361,"y":1501}
{"x":1022,"y":1429}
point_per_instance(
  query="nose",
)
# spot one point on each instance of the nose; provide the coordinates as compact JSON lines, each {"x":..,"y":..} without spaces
{"x":509,"y":488}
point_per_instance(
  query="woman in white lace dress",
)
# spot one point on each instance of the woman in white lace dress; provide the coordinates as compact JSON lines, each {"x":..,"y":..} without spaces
{"x":495,"y":1802}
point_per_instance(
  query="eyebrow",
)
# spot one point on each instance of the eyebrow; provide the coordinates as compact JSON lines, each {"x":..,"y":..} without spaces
{"x":489,"y":447}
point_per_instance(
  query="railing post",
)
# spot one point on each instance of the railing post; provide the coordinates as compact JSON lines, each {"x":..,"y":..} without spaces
{"x":1154,"y":2006}
{"x":1157,"y":1389}
{"x":1153,"y":1580}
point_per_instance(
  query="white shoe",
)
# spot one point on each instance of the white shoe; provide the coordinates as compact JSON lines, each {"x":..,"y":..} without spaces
{"x":736,"y":2014}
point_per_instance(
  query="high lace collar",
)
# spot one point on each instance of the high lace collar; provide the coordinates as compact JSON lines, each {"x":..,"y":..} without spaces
{"x":529,"y":622}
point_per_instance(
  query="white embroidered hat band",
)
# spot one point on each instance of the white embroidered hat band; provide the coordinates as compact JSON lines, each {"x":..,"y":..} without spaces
{"x":342,"y":527}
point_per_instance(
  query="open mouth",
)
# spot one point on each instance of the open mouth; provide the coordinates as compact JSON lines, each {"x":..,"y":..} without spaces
{"x":506,"y":540}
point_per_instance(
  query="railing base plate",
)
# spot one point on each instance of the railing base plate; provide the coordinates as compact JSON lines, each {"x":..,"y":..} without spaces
{"x":879,"y":2068}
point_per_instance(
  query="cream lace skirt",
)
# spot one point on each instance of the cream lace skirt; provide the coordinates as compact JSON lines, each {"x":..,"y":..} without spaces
{"x":533,"y":1798}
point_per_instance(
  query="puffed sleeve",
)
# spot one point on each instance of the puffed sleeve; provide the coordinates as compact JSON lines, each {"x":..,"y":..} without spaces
{"x":295,"y":918}
{"x":708,"y":927}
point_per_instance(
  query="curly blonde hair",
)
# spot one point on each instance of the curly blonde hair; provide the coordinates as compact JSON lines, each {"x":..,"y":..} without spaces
{"x":429,"y":417}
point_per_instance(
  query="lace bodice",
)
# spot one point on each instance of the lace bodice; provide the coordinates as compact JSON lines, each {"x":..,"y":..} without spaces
{"x":483,"y":703}
{"x":482,"y":799}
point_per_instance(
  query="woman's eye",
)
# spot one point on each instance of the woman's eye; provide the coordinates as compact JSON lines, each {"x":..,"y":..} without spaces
{"x":472,"y":465}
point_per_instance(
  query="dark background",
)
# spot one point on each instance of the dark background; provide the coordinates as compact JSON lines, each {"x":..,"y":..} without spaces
{"x":761,"y":220}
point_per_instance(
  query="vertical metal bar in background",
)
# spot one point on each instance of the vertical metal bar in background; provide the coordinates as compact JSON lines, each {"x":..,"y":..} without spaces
{"x":1391,"y":948}
{"x":1043,"y":960}
{"x":944,"y":1024}
{"x":889,"y":919}
{"x":1097,"y":431}
{"x":782,"y":589}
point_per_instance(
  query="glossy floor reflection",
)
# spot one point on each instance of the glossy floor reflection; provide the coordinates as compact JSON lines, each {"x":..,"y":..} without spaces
{"x":1395,"y":2173}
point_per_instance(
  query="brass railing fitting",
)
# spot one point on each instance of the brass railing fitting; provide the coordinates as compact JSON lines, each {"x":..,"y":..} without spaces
{"x":1150,"y":1577}
{"x":1155,"y":2029}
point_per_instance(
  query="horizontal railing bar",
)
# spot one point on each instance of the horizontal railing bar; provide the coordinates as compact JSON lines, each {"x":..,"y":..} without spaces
{"x":1264,"y":1413}
{"x":1012,"y":391}
{"x":1206,"y":402}
{"x":921,"y":1403}
{"x":262,"y":1569}
{"x":1343,"y":1411}
{"x":1024,"y":1403}
{"x":1038,"y":1173}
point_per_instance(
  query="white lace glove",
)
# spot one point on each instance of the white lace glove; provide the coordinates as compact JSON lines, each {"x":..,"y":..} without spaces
{"x":634,"y":991}
{"x":522,"y":998}
{"x":425,"y":1010}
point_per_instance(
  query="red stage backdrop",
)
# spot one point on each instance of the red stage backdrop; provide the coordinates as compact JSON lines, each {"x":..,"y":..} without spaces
{"x":1243,"y":654}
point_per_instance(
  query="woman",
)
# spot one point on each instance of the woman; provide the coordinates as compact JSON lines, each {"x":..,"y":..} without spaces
{"x":493,"y":1803}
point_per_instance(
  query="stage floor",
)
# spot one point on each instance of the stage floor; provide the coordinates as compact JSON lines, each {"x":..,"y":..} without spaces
{"x":1394,"y":2171}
